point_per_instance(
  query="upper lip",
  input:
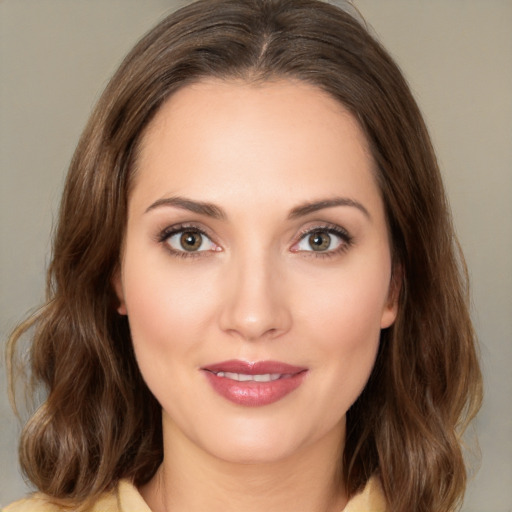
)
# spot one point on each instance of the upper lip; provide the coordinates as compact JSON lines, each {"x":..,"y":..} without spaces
{"x":254,"y":368}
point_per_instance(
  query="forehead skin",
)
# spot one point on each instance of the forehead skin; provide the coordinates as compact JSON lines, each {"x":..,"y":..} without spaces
{"x":240,"y":117}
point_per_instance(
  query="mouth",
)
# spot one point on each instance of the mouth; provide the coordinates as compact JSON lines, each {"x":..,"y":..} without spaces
{"x":244,"y":377}
{"x":254,"y":384}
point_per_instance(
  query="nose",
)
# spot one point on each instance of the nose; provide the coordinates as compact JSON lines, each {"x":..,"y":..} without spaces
{"x":256,"y":304}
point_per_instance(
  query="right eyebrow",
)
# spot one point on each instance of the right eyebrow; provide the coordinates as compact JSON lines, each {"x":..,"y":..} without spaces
{"x":208,"y":209}
{"x":312,"y":207}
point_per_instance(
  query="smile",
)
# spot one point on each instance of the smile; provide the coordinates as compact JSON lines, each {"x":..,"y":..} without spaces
{"x":244,"y":377}
{"x":254,"y":384}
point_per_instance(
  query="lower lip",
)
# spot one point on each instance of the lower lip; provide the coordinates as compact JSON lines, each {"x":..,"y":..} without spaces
{"x":252,"y":393}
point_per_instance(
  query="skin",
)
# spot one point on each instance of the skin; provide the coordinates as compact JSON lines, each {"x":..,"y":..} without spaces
{"x":256,"y":290}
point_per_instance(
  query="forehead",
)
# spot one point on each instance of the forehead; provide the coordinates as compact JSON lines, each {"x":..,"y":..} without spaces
{"x":272,"y":136}
{"x":275,"y":103}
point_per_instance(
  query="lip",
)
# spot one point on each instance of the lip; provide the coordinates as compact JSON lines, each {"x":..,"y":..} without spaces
{"x":254,"y":393}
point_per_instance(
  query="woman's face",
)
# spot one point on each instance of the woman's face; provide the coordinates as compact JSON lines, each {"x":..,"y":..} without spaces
{"x":256,"y":267}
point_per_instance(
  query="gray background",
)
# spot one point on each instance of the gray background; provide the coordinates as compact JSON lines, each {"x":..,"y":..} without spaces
{"x":56,"y":56}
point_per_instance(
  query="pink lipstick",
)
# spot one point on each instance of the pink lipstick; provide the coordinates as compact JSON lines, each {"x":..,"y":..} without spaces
{"x":254,"y":384}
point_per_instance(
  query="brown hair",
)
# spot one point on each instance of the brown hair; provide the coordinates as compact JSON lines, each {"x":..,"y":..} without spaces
{"x":99,"y":422}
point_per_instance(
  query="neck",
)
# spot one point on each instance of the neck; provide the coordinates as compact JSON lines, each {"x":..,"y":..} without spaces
{"x":191,"y":480}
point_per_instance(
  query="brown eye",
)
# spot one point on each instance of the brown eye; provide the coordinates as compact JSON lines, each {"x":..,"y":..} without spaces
{"x":191,"y":240}
{"x":322,"y":240}
{"x":319,"y":241}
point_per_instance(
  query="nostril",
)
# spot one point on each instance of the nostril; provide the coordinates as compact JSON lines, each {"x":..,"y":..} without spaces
{"x":255,"y":305}
{"x":255,"y":327}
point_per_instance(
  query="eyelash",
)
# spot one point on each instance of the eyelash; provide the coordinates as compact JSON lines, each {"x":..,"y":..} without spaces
{"x":168,"y":232}
{"x":346,"y":240}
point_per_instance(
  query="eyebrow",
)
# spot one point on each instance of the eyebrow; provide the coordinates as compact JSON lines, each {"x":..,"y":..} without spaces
{"x":208,"y":209}
{"x":314,"y":206}
{"x":211,"y":210}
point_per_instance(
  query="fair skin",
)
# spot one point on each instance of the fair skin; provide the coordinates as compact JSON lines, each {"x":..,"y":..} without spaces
{"x":289,"y":262}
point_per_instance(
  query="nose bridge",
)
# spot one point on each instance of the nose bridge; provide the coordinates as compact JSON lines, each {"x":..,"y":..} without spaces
{"x":256,"y":305}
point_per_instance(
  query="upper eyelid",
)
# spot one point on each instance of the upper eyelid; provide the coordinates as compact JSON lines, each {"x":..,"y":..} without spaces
{"x":343,"y":234}
{"x":170,"y":230}
{"x":164,"y":235}
{"x":332,"y":228}
{"x":346,"y":241}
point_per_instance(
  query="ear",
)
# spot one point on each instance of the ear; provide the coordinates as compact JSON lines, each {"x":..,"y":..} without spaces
{"x":391,"y":307}
{"x":117,"y":284}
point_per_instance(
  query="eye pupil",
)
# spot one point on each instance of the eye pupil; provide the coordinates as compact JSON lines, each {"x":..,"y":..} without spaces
{"x":320,"y":241}
{"x":191,"y":240}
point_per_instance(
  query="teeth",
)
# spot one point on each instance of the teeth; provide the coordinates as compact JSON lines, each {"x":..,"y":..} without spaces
{"x":243,"y":377}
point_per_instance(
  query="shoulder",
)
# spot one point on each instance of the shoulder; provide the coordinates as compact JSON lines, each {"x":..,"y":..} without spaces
{"x":124,"y":494}
{"x":370,"y":499}
{"x":126,"y":498}
{"x":35,"y":503}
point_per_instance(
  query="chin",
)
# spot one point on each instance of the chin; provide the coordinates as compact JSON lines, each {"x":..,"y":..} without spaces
{"x":253,"y":453}
{"x":268,"y":442}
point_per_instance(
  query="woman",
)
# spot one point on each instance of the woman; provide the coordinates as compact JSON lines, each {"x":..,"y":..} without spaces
{"x":256,"y":300}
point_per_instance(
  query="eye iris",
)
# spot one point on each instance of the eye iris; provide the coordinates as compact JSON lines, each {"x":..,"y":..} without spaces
{"x":320,"y":241}
{"x":191,"y":240}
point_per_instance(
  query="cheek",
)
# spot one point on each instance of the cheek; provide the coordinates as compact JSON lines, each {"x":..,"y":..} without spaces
{"x":167,"y":313}
{"x":348,"y":352}
{"x":344,"y":319}
{"x":350,"y":339}
{"x":348,"y":303}
{"x":167,"y":309}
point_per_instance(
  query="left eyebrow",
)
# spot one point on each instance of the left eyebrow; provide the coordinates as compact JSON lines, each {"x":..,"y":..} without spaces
{"x":208,"y":209}
{"x":314,"y":206}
